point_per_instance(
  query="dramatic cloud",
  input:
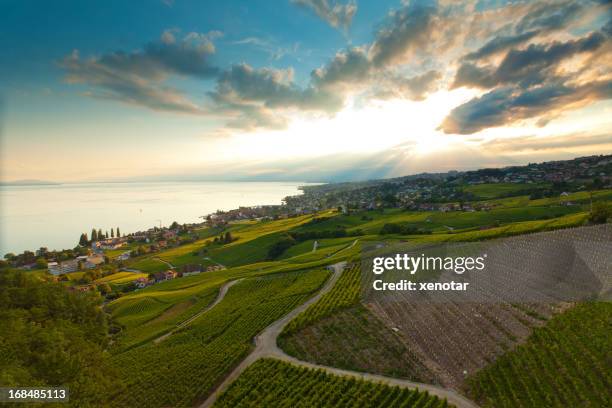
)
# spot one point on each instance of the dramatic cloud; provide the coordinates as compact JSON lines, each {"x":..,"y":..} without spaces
{"x":253,"y":95}
{"x":138,"y":77}
{"x":408,"y":30}
{"x":533,"y":143}
{"x":528,"y":66}
{"x":414,"y":88}
{"x":508,"y":105}
{"x":527,"y":60}
{"x":529,"y":75}
{"x":347,"y":67}
{"x":337,"y":15}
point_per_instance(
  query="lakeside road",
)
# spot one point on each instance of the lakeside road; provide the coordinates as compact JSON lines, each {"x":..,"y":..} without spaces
{"x":266,"y":347}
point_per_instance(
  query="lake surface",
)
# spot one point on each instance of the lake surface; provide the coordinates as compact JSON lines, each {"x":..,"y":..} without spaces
{"x":55,"y":215}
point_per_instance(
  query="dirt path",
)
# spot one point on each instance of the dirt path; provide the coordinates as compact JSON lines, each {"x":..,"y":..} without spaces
{"x":266,"y":347}
{"x":220,"y":296}
{"x":166,"y":262}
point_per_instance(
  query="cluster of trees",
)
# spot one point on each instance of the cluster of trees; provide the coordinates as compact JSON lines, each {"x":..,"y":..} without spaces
{"x":54,"y":337}
{"x":279,"y":247}
{"x":402,"y":229}
{"x":226,"y":238}
{"x":40,"y":257}
{"x":97,"y":235}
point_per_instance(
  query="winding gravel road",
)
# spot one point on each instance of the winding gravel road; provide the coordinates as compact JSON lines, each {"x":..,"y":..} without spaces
{"x":266,"y":347}
{"x":220,"y":296}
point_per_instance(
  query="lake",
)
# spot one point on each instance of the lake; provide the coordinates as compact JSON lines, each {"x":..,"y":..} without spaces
{"x":55,"y":215}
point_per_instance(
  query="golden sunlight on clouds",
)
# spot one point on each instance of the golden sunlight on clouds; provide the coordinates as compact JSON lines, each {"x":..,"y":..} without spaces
{"x":377,"y":126}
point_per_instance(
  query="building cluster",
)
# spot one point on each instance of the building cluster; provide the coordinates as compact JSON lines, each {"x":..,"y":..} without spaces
{"x":432,"y":192}
{"x":72,"y":265}
{"x":184,"y":271}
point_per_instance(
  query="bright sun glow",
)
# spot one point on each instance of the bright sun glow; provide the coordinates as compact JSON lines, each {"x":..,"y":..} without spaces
{"x":357,"y":129}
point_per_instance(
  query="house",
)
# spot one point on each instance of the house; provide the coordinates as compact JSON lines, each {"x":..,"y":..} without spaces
{"x":93,"y":261}
{"x":59,"y":268}
{"x":124,"y":256}
{"x":170,"y":274}
{"x":141,"y":283}
{"x":169,"y":234}
{"x":188,"y":270}
{"x":162,"y":243}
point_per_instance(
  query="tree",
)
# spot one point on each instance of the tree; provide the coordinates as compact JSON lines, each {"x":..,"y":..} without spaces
{"x":600,"y":213}
{"x":83,"y":240}
{"x":41,"y":263}
{"x":100,"y":235}
{"x":174,"y":225}
{"x":118,"y":233}
{"x":112,"y":233}
{"x":94,"y":235}
{"x":55,"y":336}
{"x":228,"y":237}
{"x":106,"y":234}
{"x":104,"y":288}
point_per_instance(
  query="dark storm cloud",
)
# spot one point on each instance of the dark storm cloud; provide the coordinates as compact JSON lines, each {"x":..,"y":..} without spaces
{"x":336,"y":14}
{"x":510,"y":104}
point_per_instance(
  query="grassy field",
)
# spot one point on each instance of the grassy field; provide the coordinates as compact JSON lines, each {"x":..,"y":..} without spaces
{"x":186,"y":366}
{"x":272,"y":383}
{"x":148,"y":264}
{"x":563,"y":364}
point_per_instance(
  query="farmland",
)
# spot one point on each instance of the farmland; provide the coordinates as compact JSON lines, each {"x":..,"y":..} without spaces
{"x":190,"y":362}
{"x":121,"y":277}
{"x":344,"y":294}
{"x":447,"y":344}
{"x":563,"y":364}
{"x":273,"y":383}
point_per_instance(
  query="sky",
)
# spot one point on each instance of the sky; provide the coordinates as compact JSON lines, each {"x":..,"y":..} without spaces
{"x":306,"y":90}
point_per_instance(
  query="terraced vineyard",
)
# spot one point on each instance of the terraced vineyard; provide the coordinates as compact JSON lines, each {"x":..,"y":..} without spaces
{"x":563,"y":364}
{"x":344,"y":294}
{"x":183,"y":368}
{"x":272,"y":383}
{"x":355,"y":339}
{"x":121,"y":277}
